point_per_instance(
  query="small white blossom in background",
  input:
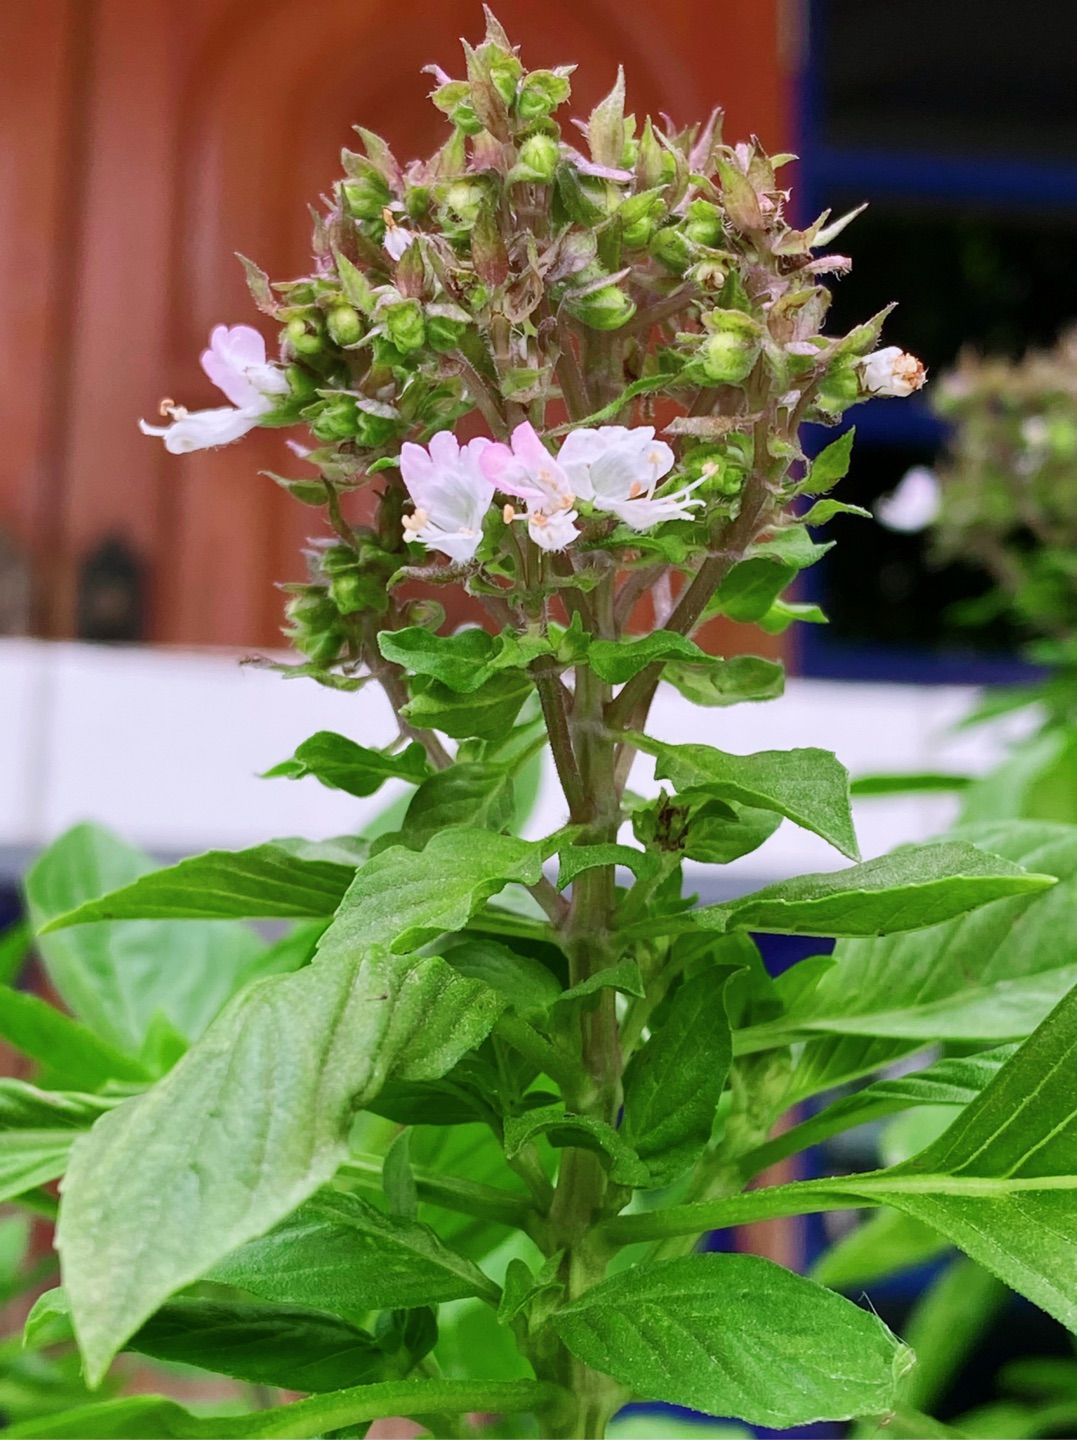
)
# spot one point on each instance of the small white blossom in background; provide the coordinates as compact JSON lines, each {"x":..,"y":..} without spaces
{"x":527,"y":470}
{"x":235,"y":361}
{"x":450,"y":493}
{"x":892,"y":371}
{"x":618,"y":469}
{"x":397,"y":240}
{"x":914,"y":505}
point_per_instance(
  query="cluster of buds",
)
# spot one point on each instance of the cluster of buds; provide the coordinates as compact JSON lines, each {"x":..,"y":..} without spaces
{"x":1005,"y":492}
{"x":575,"y":302}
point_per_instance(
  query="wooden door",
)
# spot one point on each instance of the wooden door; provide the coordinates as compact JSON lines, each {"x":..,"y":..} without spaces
{"x":144,"y":143}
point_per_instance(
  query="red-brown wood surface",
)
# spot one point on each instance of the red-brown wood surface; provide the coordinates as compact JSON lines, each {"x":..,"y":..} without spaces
{"x":145,"y":143}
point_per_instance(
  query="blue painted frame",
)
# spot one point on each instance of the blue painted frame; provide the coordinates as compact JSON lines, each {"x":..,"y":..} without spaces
{"x":1012,"y":185}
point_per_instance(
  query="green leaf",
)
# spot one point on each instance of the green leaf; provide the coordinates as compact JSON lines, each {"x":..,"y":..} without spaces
{"x":295,"y":1348}
{"x":991,"y":974}
{"x":829,"y":466}
{"x":32,"y":1157}
{"x":922,"y":783}
{"x":882,"y":1244}
{"x":73,"y":1054}
{"x":912,"y":888}
{"x":715,"y":838}
{"x":14,"y":949}
{"x":485,"y":714}
{"x":257,"y":1116}
{"x":339,"y":1253}
{"x":673,"y":1084}
{"x":154,"y":1417}
{"x":751,"y":588}
{"x":402,"y":898}
{"x":37,"y":1131}
{"x":581,"y":1132}
{"x":286,"y":878}
{"x":784,"y":613}
{"x":468,"y":794}
{"x":736,"y":1335}
{"x":809,"y":787}
{"x":955,"y":1080}
{"x":526,"y":983}
{"x":824,"y":510}
{"x":341,"y":764}
{"x":623,"y":976}
{"x":577,"y":858}
{"x":616,"y":661}
{"x":116,"y":978}
{"x":728,"y":682}
{"x":461,"y":662}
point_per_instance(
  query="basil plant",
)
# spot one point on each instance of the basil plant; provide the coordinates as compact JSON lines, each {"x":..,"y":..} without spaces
{"x":446,"y":1145}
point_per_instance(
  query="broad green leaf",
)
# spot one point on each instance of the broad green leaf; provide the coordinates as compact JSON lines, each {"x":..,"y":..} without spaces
{"x":341,"y":764}
{"x":468,"y":794}
{"x":784,"y":613}
{"x":116,"y":978}
{"x":736,"y":1335}
{"x":623,"y":976}
{"x":809,"y":787}
{"x":402,"y":898}
{"x":792,"y":545}
{"x":257,"y":1116}
{"x":1038,"y":781}
{"x":824,"y":510}
{"x":909,"y":889}
{"x":154,"y":1417}
{"x":990,"y":974}
{"x":284,"y":1345}
{"x":463,"y":662}
{"x":581,"y":1132}
{"x":37,"y":1131}
{"x":32,"y":1157}
{"x":616,"y":661}
{"x":728,"y":682}
{"x":751,"y":588}
{"x":715,"y":838}
{"x":25,"y":1107}
{"x":955,"y":1080}
{"x":674,"y":1082}
{"x":73,"y":1054}
{"x":484,"y":714}
{"x":577,"y":858}
{"x":339,"y":1253}
{"x":946,"y":1326}
{"x":14,"y":948}
{"x":526,"y":983}
{"x":287,"y":878}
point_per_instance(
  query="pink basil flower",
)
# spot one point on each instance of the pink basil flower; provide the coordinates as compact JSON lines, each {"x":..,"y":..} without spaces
{"x":527,"y":470}
{"x":235,"y":361}
{"x":618,"y":470}
{"x":450,"y":492}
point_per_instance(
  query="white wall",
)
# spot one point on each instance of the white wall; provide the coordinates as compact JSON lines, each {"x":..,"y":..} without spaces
{"x":165,"y":746}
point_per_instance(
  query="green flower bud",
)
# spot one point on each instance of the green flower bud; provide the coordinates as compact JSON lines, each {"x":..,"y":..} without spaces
{"x":344,"y":325}
{"x":315,"y":627}
{"x":840,"y":388}
{"x":540,"y":94}
{"x":639,"y":215}
{"x":731,"y":347}
{"x":607,"y":308}
{"x":304,"y":333}
{"x":365,"y":196}
{"x":373,"y":431}
{"x":537,"y":160}
{"x":504,"y":71}
{"x":463,"y":200}
{"x":404,"y":325}
{"x":354,"y":593}
{"x":672,"y":248}
{"x":443,"y":334}
{"x":301,"y":382}
{"x":703,"y":223}
{"x":385,"y":355}
{"x":417,"y":201}
{"x":335,"y":418}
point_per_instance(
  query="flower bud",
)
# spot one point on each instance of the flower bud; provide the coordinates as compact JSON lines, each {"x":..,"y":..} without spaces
{"x":504,"y":71}
{"x":304,"y":333}
{"x":365,"y":196}
{"x":638,"y":216}
{"x":344,"y":325}
{"x":607,"y":308}
{"x":892,"y":371}
{"x":315,"y":627}
{"x":301,"y":383}
{"x":537,"y":160}
{"x":334,"y":419}
{"x":840,"y":388}
{"x":540,"y":93}
{"x":404,"y":325}
{"x":731,"y":347}
{"x":373,"y":430}
{"x":444,"y":333}
{"x":672,"y":248}
{"x":463,"y":201}
{"x":703,"y":224}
